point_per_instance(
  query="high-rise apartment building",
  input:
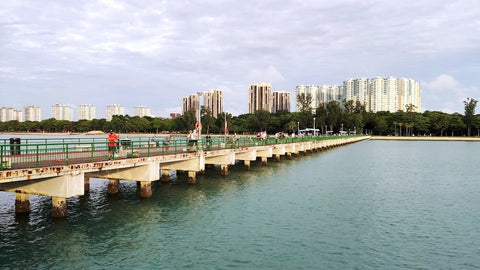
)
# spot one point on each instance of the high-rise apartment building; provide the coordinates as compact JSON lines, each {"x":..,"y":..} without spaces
{"x":376,"y":89}
{"x":62,"y":112}
{"x":142,"y":111}
{"x":260,"y":97}
{"x":377,"y":94}
{"x":281,"y":101}
{"x":408,"y":94}
{"x":86,"y":112}
{"x":190,"y":102}
{"x":32,"y":113}
{"x":360,"y":91}
{"x":114,"y":109}
{"x":213,"y":101}
{"x":10,"y":114}
{"x":312,"y":90}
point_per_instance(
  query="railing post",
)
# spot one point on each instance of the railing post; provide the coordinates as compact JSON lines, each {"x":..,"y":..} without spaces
{"x":92,"y":151}
{"x":148,"y":149}
{"x":37,"y":156}
{"x":66,"y":154}
{"x":1,"y":157}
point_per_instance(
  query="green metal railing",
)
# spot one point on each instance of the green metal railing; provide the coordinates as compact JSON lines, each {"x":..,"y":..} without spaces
{"x":37,"y":153}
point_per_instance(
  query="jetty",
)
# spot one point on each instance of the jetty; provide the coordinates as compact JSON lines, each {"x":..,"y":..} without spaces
{"x":62,"y":168}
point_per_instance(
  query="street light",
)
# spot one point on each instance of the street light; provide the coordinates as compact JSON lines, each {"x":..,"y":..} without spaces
{"x":314,"y":127}
{"x":298,"y":128}
{"x":342,"y":127}
{"x":325,"y":130}
{"x":199,"y":118}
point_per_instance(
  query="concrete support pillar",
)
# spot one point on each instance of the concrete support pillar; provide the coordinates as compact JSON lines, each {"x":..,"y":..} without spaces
{"x":246,"y":165}
{"x":224,"y":170}
{"x":86,"y":183}
{"x":264,"y":161}
{"x":192,"y":177}
{"x":289,"y":155}
{"x":277,"y":157}
{"x":145,"y":189}
{"x":22,"y":203}
{"x":112,"y":186}
{"x":165,"y":176}
{"x":59,"y":206}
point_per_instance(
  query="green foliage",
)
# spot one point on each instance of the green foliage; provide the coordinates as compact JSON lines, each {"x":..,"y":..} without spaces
{"x":332,"y":114}
{"x":470,"y":105}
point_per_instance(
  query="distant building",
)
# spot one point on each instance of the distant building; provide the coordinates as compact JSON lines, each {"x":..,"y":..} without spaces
{"x":377,"y":94}
{"x":86,"y":112}
{"x":260,"y":97}
{"x":312,"y":90}
{"x":114,"y":109}
{"x":10,"y":114}
{"x":62,"y":112}
{"x":175,"y":115}
{"x":32,"y":113}
{"x":142,"y":111}
{"x":281,"y":101}
{"x":190,"y":102}
{"x":213,"y":101}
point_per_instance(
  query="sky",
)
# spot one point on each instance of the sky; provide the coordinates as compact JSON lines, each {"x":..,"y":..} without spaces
{"x":155,"y":52}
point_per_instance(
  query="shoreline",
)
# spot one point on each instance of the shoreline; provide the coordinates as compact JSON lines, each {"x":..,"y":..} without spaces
{"x":425,"y":138}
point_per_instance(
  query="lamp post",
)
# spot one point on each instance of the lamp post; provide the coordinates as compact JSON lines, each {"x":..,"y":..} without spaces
{"x":314,"y":132}
{"x":342,"y":128}
{"x":199,"y":118}
{"x":325,"y":130}
{"x":298,"y":129}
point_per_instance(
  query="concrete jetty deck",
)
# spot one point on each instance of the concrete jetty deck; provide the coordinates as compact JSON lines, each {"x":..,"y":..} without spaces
{"x":66,"y":180}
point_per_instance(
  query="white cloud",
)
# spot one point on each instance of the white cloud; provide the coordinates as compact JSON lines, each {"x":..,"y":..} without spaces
{"x":164,"y":50}
{"x":445,"y":93}
{"x":269,"y":74}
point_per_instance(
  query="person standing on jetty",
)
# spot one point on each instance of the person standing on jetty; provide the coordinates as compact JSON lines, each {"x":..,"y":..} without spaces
{"x":112,"y":144}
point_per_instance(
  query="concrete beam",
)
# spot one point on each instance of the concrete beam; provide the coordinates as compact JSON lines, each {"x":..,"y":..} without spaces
{"x":145,"y":172}
{"x":195,"y":164}
{"x":265,"y":152}
{"x":65,"y":186}
{"x":245,"y":155}
{"x":279,"y":150}
{"x":224,"y":158}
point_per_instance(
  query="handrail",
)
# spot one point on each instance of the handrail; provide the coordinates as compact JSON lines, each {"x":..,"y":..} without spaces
{"x":36,"y":153}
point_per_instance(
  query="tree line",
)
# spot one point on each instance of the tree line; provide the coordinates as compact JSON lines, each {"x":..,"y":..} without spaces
{"x":348,"y":116}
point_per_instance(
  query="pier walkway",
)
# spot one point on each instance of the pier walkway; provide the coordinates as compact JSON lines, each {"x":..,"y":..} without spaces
{"x":61,"y":168}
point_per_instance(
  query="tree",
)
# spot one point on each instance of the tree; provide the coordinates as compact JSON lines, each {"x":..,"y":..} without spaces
{"x":470,"y":105}
{"x":304,"y":103}
{"x":334,"y":114}
{"x":261,"y":120}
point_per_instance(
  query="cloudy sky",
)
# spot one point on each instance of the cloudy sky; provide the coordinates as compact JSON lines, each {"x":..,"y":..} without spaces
{"x":154,"y":52}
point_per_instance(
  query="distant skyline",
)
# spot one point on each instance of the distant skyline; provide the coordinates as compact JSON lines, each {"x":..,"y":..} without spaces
{"x":155,"y":53}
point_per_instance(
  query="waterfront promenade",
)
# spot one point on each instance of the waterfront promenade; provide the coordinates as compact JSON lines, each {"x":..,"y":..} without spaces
{"x":61,"y":168}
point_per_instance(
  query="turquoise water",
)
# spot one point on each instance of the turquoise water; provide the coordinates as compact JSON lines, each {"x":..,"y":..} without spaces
{"x":368,"y":205}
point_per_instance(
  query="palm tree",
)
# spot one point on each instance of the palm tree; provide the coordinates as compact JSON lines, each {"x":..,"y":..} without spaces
{"x":400,"y":125}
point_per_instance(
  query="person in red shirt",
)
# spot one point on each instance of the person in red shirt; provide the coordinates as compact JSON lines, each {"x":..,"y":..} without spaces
{"x":112,"y":144}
